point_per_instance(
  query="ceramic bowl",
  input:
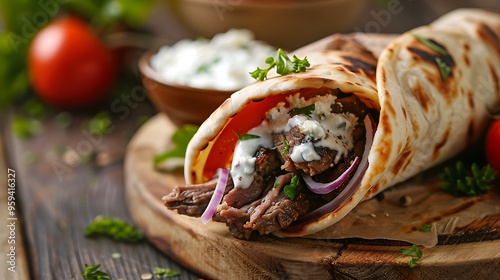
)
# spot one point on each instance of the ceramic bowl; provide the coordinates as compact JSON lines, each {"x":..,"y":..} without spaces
{"x":181,"y":104}
{"x":288,"y":24}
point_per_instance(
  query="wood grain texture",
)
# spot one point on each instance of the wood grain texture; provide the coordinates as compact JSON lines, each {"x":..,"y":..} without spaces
{"x":210,"y":250}
{"x":59,"y":197}
{"x":17,"y":268}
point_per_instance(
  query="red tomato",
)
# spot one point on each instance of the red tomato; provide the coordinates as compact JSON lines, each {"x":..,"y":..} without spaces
{"x":68,"y":66}
{"x":250,"y":116}
{"x":493,"y":145}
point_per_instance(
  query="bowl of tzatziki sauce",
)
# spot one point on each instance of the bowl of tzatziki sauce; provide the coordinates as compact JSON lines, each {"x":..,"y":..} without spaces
{"x":191,"y":78}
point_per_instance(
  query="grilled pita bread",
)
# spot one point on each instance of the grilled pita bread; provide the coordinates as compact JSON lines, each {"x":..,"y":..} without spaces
{"x":433,"y":101}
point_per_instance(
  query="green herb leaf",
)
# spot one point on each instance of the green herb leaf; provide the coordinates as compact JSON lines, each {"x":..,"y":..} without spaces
{"x":291,"y":189}
{"x":444,"y":69}
{"x":115,"y":228}
{"x":276,"y":183}
{"x":430,"y":44}
{"x":413,"y":252}
{"x":100,"y":124}
{"x":165,"y":272}
{"x":286,"y":150}
{"x":459,"y":182}
{"x":307,"y":110}
{"x":63,"y":120}
{"x":25,"y":128}
{"x":205,"y":68}
{"x":243,"y":137}
{"x":284,"y":65}
{"x":93,"y":273}
{"x":425,"y":228}
{"x":180,"y":139}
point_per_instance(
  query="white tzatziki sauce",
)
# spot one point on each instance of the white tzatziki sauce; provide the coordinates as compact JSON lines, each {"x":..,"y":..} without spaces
{"x":222,"y":63}
{"x":243,"y":164}
{"x":321,"y":128}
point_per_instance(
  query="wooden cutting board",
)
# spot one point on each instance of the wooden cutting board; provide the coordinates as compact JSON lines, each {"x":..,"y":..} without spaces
{"x":210,"y":251}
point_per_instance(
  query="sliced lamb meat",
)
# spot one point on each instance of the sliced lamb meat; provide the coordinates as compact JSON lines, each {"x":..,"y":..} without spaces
{"x":282,"y":213}
{"x":277,"y":210}
{"x":235,"y":218}
{"x":293,"y":138}
{"x":192,"y":200}
{"x":266,"y":167}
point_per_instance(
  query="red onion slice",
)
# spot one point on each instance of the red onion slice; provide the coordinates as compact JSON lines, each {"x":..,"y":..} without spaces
{"x":324,"y":188}
{"x":353,"y":185}
{"x":223,"y":175}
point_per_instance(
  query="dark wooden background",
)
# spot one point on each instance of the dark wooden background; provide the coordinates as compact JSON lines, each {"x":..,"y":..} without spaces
{"x":58,"y":197}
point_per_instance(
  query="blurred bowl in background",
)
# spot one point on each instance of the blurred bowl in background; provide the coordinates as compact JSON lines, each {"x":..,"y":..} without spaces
{"x":181,"y":104}
{"x":287,"y":24}
{"x":441,"y":7}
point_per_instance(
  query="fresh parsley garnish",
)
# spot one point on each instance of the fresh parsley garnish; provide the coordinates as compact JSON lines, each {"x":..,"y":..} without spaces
{"x":93,"y":273}
{"x":100,"y":124}
{"x":307,"y":110}
{"x":425,"y":228}
{"x":430,"y":44}
{"x":284,"y":65}
{"x":26,"y":128}
{"x":276,"y":183}
{"x":243,"y":137}
{"x":291,"y":189}
{"x":180,"y":138}
{"x":460,"y":182}
{"x":115,"y":228}
{"x":414,"y":252}
{"x":444,"y":68}
{"x":205,"y":68}
{"x":165,"y":272}
{"x":286,"y":150}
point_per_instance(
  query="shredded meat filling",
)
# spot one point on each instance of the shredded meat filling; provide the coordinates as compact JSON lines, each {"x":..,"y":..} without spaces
{"x":264,"y":207}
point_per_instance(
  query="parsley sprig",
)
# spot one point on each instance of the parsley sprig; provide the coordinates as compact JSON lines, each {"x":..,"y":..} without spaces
{"x":284,"y":65}
{"x":165,"y":272}
{"x":460,"y":182}
{"x":291,"y":189}
{"x":307,"y":110}
{"x":115,"y":228}
{"x":248,"y":136}
{"x":415,"y":253}
{"x":180,"y":138}
{"x":93,"y":273}
{"x":443,"y":67}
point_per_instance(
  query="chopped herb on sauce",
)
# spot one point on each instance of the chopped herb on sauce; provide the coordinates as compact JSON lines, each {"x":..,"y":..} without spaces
{"x":307,"y":110}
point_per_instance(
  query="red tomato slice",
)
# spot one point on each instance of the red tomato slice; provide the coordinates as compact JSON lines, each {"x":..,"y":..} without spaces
{"x":249,"y":117}
{"x":493,"y":145}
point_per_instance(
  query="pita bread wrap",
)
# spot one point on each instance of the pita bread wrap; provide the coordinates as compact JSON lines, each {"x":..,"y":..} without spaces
{"x":428,"y":96}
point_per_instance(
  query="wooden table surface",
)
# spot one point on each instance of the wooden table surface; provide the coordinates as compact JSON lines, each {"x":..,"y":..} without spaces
{"x":57,"y":197}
